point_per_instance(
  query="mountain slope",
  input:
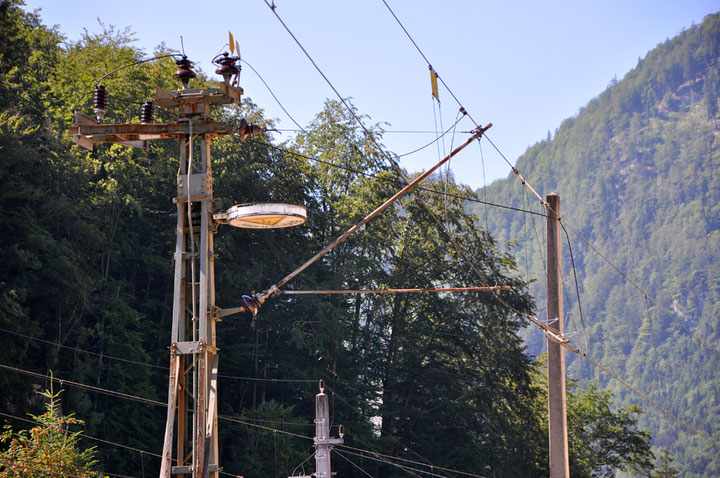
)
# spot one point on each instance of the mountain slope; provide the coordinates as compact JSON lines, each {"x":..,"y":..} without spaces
{"x":637,"y":172}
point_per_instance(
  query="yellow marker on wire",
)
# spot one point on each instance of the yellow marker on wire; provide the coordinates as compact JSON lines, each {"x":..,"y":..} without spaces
{"x":433,"y":83}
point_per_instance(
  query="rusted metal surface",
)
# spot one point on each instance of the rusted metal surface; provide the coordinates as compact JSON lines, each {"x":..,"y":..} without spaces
{"x":88,"y":134}
{"x":393,"y":291}
{"x":165,"y":466}
{"x":224,"y":95}
{"x":261,"y":297}
{"x":201,"y":415}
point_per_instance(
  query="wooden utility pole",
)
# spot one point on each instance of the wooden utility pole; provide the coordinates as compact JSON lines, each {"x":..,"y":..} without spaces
{"x":557,"y":402}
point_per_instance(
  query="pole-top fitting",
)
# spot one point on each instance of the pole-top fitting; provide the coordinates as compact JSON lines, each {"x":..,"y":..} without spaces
{"x":322,"y":386}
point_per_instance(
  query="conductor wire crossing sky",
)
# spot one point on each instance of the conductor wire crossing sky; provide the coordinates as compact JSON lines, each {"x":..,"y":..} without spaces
{"x":525,"y":68}
{"x":659,"y":12}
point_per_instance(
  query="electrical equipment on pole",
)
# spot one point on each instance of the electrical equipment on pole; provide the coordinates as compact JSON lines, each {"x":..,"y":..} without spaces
{"x":192,"y":393}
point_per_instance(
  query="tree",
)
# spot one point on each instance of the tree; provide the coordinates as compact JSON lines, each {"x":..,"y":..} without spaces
{"x":664,"y":469}
{"x":601,"y":440}
{"x":50,"y":449}
{"x":613,"y":177}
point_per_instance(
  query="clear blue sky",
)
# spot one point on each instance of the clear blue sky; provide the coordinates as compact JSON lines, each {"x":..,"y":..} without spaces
{"x":524,"y":66}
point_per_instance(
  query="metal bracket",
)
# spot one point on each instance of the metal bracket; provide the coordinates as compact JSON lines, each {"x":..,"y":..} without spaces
{"x":184,"y":470}
{"x":198,"y":186}
{"x":189,"y":348}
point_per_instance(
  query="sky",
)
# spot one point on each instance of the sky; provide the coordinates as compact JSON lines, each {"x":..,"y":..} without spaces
{"x":523,"y":66}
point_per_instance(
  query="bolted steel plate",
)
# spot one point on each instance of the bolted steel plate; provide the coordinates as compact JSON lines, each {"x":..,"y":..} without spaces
{"x":266,"y":216}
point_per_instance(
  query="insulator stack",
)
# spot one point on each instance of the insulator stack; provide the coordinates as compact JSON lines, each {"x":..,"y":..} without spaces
{"x":227,"y":67}
{"x":147,"y":113}
{"x":100,"y":102}
{"x":184,"y":72}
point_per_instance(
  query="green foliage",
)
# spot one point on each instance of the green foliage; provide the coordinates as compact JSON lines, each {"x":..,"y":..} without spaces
{"x":636,"y":172}
{"x":602,"y":439}
{"x":87,"y":247}
{"x":664,"y":469}
{"x":48,"y":450}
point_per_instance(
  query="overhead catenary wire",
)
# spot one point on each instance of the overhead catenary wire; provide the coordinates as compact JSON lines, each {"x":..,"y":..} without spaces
{"x":426,"y":60}
{"x":577,"y":288}
{"x":390,"y":180}
{"x":265,"y":294}
{"x":542,"y":201}
{"x":405,"y":468}
{"x":643,"y":292}
{"x":434,"y":216}
{"x":107,"y":442}
{"x":48,"y":468}
{"x":388,"y":435}
{"x":300,"y":128}
{"x":577,"y":351}
{"x":478,"y":133}
{"x":145,"y":364}
{"x":273,"y":95}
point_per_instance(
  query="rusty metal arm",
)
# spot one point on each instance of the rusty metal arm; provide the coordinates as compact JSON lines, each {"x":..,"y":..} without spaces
{"x":261,"y":297}
{"x":393,"y":291}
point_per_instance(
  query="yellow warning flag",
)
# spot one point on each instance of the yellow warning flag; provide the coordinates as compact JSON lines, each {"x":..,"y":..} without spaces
{"x":231,"y":43}
{"x":433,"y":83}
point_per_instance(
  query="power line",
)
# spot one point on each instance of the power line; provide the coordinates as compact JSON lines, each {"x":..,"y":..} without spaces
{"x":577,"y":287}
{"x":377,"y":456}
{"x":236,"y":420}
{"x":85,"y":386}
{"x":56,"y":469}
{"x":390,"y":131}
{"x":642,"y":291}
{"x":657,"y":357}
{"x":381,"y":430}
{"x":107,"y":442}
{"x":395,"y":182}
{"x":437,"y":139}
{"x":145,"y":364}
{"x":87,"y":436}
{"x":273,"y":95}
{"x":342,"y":455}
{"x":575,"y":350}
{"x":434,"y":216}
{"x":407,"y":469}
{"x":428,"y":61}
{"x":55,"y":344}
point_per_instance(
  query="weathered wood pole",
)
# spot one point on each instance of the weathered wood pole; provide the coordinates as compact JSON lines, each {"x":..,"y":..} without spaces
{"x":557,"y":401}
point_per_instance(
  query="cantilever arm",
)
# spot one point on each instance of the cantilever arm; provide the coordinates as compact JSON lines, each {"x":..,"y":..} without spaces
{"x":260,"y":298}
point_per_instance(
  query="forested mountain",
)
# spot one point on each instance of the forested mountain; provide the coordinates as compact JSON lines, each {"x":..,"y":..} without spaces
{"x":637,"y":172}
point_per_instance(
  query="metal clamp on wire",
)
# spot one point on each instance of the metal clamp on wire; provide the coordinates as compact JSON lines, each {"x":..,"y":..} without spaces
{"x":480,"y":130}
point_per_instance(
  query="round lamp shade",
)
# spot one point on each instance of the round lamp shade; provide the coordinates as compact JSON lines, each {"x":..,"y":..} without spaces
{"x":266,"y":216}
